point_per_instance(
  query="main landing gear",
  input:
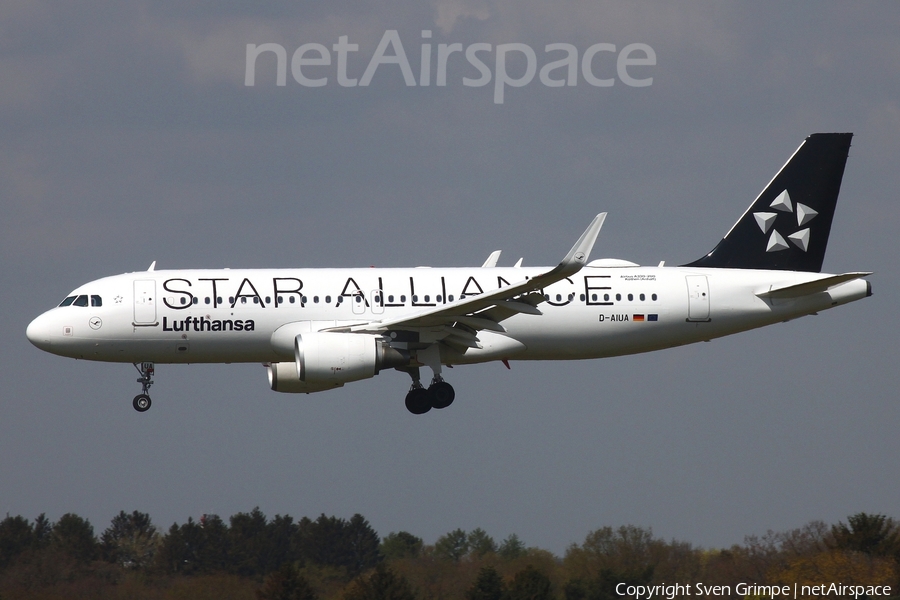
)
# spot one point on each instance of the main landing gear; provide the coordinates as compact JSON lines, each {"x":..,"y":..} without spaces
{"x":142,"y":402}
{"x":420,"y":400}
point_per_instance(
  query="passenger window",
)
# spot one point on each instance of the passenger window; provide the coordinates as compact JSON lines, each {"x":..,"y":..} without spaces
{"x":81,"y":301}
{"x":206,"y":300}
{"x":451,"y":297}
{"x":642,"y":297}
{"x":391,"y":298}
{"x":327,"y":299}
{"x":315,"y":299}
{"x":293,"y":299}
{"x":606,"y":297}
{"x":653,"y":297}
{"x":403,"y":298}
{"x":618,"y":297}
{"x":68,"y":301}
{"x":630,"y":297}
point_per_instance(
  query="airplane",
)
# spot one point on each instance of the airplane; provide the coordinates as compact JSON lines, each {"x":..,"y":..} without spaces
{"x":318,"y":329}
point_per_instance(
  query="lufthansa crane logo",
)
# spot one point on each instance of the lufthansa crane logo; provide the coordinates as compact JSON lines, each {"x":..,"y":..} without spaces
{"x":766,"y":220}
{"x":95,"y":323}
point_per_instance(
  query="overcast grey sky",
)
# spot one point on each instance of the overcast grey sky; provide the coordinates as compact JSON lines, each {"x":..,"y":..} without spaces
{"x":127,"y":135}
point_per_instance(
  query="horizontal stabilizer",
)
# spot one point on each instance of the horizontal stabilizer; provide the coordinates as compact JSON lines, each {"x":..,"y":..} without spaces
{"x":812,"y":287}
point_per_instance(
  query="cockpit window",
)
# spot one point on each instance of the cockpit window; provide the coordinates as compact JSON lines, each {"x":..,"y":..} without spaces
{"x":81,"y":301}
{"x":96,"y":301}
{"x":67,"y":301}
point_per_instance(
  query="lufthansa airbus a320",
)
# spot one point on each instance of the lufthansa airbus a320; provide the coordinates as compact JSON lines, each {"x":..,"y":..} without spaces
{"x":318,"y":329}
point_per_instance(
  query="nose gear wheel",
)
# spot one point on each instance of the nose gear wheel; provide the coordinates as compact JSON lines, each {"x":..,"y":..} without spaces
{"x":141,"y":402}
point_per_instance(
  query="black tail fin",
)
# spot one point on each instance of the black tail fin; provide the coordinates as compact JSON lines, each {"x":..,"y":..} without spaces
{"x":787,"y":227}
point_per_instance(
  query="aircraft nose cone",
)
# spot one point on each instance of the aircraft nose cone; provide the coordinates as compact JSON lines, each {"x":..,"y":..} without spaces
{"x":38,"y":332}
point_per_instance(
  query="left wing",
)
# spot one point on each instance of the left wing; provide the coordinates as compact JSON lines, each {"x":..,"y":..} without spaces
{"x":485,"y":311}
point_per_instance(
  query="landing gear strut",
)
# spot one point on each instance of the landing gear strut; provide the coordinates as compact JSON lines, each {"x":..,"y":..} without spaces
{"x":141,"y":402}
{"x":420,"y":400}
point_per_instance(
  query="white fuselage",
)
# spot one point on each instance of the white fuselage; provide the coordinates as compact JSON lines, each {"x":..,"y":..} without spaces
{"x":252,"y":315}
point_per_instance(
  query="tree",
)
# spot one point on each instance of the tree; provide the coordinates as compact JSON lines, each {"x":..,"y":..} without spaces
{"x":452,"y":546}
{"x":130,"y":541}
{"x":286,"y":584}
{"x":381,"y":584}
{"x":488,"y":586}
{"x":330,"y":541}
{"x":194,"y":548}
{"x":530,"y":584}
{"x":512,"y":548}
{"x":480,"y":543}
{"x":74,"y":537}
{"x":876,"y":535}
{"x":249,"y":544}
{"x":401,"y":545}
{"x":16,"y":535}
{"x":321,"y":541}
{"x":363,"y":544}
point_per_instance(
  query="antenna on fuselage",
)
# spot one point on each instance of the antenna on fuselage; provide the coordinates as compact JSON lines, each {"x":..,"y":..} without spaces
{"x":152,"y":266}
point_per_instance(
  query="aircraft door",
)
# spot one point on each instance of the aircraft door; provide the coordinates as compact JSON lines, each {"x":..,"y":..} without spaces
{"x":145,"y":302}
{"x":698,"y":298}
{"x":358,"y":302}
{"x":377,"y":302}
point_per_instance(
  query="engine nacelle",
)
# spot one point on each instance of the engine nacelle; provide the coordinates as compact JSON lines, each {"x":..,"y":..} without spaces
{"x":283,"y":378}
{"x":326,"y":360}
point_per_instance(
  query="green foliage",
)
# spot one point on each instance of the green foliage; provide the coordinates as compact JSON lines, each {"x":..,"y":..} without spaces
{"x":331,"y":541}
{"x":250,"y":551}
{"x":512,"y":548}
{"x":876,"y":535}
{"x":130,"y":541}
{"x":16,"y":535}
{"x":74,"y":537}
{"x":488,"y":586}
{"x":286,"y":584}
{"x":382,"y":584}
{"x":194,"y":548}
{"x":480,"y":543}
{"x":530,"y":584}
{"x":401,"y":544}
{"x":250,"y":556}
{"x":452,"y":546}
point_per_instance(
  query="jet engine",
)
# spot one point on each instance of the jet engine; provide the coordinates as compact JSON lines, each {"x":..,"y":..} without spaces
{"x":326,"y":360}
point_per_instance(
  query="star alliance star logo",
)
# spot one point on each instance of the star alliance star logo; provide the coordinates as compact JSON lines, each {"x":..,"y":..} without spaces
{"x":766,"y":220}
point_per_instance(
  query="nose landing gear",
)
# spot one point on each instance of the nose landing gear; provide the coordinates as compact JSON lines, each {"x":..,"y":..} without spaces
{"x":141,"y":402}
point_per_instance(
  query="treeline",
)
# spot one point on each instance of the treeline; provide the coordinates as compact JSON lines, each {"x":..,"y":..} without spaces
{"x":330,"y":558}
